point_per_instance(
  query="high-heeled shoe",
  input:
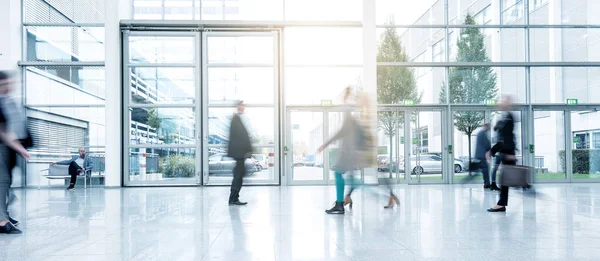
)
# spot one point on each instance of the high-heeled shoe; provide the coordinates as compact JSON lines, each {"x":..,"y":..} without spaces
{"x":348,"y":201}
{"x":393,"y":201}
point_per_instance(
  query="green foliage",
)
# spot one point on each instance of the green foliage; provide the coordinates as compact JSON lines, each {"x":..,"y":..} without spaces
{"x":470,"y":85}
{"x":394,"y":84}
{"x":584,"y":160}
{"x":153,"y":119}
{"x":177,"y":166}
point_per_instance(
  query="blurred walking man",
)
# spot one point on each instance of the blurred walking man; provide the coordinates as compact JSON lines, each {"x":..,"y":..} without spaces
{"x":483,"y":145}
{"x":240,"y":149}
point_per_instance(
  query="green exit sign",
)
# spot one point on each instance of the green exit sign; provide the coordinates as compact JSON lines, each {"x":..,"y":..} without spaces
{"x":490,"y":102}
{"x":572,"y":101}
{"x":325,"y":102}
{"x":409,"y":102}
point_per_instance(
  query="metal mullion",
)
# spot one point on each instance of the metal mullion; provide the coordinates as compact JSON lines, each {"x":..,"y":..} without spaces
{"x":278,"y":112}
{"x":161,"y":146}
{"x":326,"y":159}
{"x":247,"y":105}
{"x":239,"y":34}
{"x":161,"y":65}
{"x":253,"y":146}
{"x":204,"y":96}
{"x":64,"y":105}
{"x":239,"y":65}
{"x":64,"y":24}
{"x":324,"y":65}
{"x":198,"y":110}
{"x":70,"y":64}
{"x":216,"y":24}
{"x":489,"y":64}
{"x":165,"y":33}
{"x":125,"y":112}
{"x":568,"y":146}
{"x":492,"y":26}
{"x":159,"y":105}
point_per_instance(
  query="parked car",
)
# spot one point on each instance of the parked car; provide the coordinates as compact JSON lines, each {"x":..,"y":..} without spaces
{"x":299,"y":164}
{"x":429,"y":163}
{"x":262,"y":160}
{"x":221,"y":164}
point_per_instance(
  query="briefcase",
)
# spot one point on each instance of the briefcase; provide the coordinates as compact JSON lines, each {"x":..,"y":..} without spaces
{"x":515,"y":176}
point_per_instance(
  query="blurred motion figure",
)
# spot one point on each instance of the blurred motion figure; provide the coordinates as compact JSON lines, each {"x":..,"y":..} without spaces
{"x":12,"y":133}
{"x":239,"y":148}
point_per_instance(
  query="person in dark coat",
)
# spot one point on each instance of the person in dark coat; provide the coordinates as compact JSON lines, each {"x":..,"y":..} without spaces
{"x":239,"y":148}
{"x":505,"y":148}
{"x":483,"y":145}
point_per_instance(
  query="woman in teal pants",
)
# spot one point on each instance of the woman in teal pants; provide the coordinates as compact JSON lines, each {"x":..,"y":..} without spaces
{"x":348,"y":156}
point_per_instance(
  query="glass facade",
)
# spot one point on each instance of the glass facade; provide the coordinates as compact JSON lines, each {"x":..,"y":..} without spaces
{"x":443,"y":64}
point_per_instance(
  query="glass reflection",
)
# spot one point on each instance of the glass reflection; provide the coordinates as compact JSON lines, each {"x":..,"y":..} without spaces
{"x":162,"y":126}
{"x":258,"y":121}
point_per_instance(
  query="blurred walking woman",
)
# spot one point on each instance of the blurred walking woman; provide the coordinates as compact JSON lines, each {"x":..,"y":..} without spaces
{"x":10,"y":144}
{"x":348,"y":156}
{"x":505,"y":148}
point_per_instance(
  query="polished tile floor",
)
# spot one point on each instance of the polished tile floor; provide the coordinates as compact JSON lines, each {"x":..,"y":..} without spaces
{"x":435,"y":222}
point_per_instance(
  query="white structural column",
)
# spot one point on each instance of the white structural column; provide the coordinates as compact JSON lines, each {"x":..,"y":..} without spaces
{"x":370,"y":68}
{"x":116,"y":10}
{"x":10,"y":35}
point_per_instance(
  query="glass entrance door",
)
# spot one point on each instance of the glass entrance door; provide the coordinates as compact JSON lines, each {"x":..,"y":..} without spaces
{"x":240,"y":66}
{"x":307,"y":129}
{"x":427,"y":159}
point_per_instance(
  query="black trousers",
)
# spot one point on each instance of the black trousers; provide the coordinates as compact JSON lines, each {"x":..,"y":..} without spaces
{"x":503,"y":201}
{"x":238,"y":178}
{"x":74,"y":171}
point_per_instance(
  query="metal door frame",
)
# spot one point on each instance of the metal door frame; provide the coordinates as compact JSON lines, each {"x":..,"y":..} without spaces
{"x":568,"y":139}
{"x":408,"y":179}
{"x":287,"y":173}
{"x":127,"y":104}
{"x":526,"y":158}
{"x":275,"y":64}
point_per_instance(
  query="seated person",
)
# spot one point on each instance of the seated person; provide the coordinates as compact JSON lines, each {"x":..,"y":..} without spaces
{"x":78,"y":165}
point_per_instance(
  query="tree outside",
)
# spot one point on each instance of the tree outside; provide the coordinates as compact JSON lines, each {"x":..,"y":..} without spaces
{"x":394,"y":84}
{"x":470,"y":85}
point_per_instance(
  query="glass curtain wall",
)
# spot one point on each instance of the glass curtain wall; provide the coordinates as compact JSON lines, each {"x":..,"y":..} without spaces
{"x":474,"y":52}
{"x":63,"y":85}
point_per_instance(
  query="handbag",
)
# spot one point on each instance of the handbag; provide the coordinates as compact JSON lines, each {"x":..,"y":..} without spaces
{"x":515,"y":176}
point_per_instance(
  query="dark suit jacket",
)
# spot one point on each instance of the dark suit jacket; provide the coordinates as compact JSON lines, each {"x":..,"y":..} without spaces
{"x":506,"y":136}
{"x":239,"y":140}
{"x":482,"y":144}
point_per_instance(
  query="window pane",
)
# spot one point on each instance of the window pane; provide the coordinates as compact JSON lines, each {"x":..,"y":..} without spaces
{"x":252,"y":85}
{"x":64,"y":85}
{"x":549,"y":144}
{"x":420,"y":45}
{"x":162,"y":166}
{"x":314,"y":84}
{"x":569,"y":45}
{"x":178,"y":9}
{"x":586,"y":157}
{"x":162,"y":85}
{"x":157,"y":49}
{"x":476,"y":85}
{"x":64,"y":44}
{"x":512,"y":12}
{"x":240,"y":49}
{"x":407,"y":12}
{"x":318,"y":10}
{"x":557,"y":84}
{"x":260,"y":123}
{"x":147,"y":9}
{"x":321,"y":46}
{"x":64,"y":129}
{"x":162,"y":126}
{"x":420,"y":85}
{"x":509,"y":44}
{"x":571,"y":13}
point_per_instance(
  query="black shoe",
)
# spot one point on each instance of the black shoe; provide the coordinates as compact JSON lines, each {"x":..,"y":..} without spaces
{"x":502,"y":209}
{"x":494,"y":186}
{"x":337,"y":209}
{"x":13,"y":221}
{"x":71,"y":187}
{"x":237,"y":203}
{"x":486,"y":186}
{"x":9,"y":228}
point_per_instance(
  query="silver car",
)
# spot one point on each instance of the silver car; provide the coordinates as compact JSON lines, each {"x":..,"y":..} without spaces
{"x":221,"y":164}
{"x":430,"y":163}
